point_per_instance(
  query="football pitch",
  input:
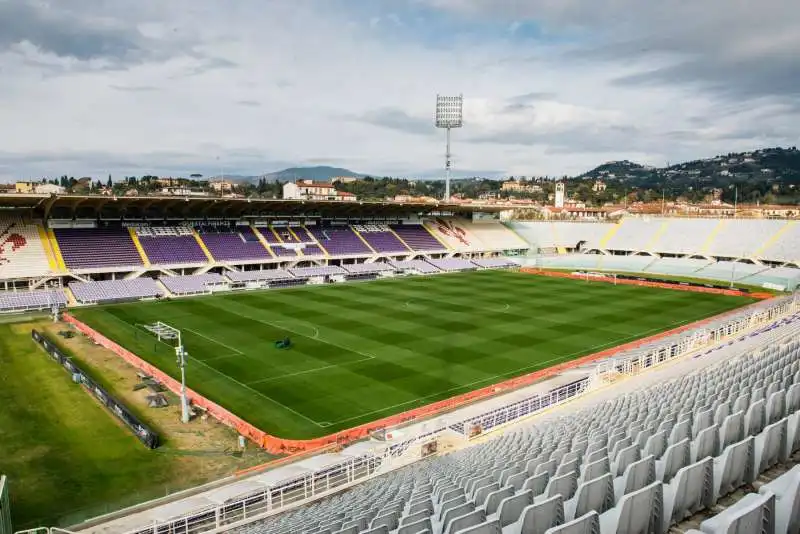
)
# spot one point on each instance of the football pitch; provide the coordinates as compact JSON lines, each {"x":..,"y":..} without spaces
{"x":369,"y":350}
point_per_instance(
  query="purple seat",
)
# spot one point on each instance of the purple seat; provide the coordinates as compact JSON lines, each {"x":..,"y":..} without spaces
{"x":192,"y":284}
{"x":313,"y":250}
{"x":170,"y":250}
{"x":417,"y":237}
{"x":340,"y":241}
{"x":115,"y":290}
{"x":269,"y":235}
{"x":384,"y":241}
{"x":453,"y":264}
{"x":282,"y":252}
{"x":239,"y":245}
{"x":303,"y":233}
{"x":92,"y":248}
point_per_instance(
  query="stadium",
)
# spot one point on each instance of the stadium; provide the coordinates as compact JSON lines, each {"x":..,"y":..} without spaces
{"x":417,"y":367}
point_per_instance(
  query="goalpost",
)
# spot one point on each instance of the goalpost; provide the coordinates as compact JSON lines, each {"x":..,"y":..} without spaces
{"x":5,"y":509}
{"x":163,"y":331}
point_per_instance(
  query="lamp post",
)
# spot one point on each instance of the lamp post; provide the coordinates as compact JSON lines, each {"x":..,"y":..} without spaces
{"x":448,"y":115}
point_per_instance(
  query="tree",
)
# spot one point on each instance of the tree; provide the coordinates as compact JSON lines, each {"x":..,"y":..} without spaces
{"x":109,"y":184}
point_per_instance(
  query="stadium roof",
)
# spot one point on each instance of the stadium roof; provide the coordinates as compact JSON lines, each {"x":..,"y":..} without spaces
{"x":88,"y":206}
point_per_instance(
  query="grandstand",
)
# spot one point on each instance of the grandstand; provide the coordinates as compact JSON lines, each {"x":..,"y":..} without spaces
{"x":743,"y":251}
{"x":635,"y":415}
{"x":51,"y":247}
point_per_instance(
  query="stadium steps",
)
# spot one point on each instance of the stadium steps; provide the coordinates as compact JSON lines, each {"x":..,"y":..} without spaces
{"x":263,"y":240}
{"x":557,"y":238}
{"x":56,"y":250}
{"x":611,"y":233}
{"x":203,"y":245}
{"x":436,"y":237}
{"x":139,"y":248}
{"x":366,"y":244}
{"x":712,"y":236}
{"x":774,"y":239}
{"x":728,"y":501}
{"x":654,"y":260}
{"x":48,"y":249}
{"x":164,"y":288}
{"x":410,"y":249}
{"x":651,"y":245}
{"x":71,"y":300}
{"x":276,"y":234}
{"x":299,"y":251}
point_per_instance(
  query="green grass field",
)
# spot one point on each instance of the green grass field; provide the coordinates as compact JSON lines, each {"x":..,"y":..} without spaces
{"x":59,"y":448}
{"x":366,"y":351}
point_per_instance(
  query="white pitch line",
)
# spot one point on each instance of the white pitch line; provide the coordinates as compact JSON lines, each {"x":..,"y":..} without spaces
{"x":257,"y":392}
{"x":287,"y":375}
{"x":410,"y":304}
{"x":234,"y":349}
{"x":278,"y":325}
{"x":501,"y":375}
{"x":201,"y":362}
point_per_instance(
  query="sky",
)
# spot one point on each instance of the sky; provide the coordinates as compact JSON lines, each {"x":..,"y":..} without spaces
{"x":551,"y":87}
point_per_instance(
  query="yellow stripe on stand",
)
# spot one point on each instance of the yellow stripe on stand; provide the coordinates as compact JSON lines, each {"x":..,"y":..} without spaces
{"x":48,"y":250}
{"x":56,"y":250}
{"x":203,"y":246}
{"x":138,"y":245}
{"x":263,"y":240}
{"x":436,"y":237}
{"x":400,"y":239}
{"x":713,"y":235}
{"x":611,"y":232}
{"x":361,"y":237}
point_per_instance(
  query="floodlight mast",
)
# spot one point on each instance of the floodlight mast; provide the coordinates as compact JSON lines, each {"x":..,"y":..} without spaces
{"x":448,"y":115}
{"x":180,"y":352}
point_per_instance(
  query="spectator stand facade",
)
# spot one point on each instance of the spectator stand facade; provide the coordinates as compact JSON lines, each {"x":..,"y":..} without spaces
{"x":762,"y":252}
{"x":51,"y":242}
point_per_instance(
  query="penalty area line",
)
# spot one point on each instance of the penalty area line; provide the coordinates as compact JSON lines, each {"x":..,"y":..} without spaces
{"x":260,"y":394}
{"x":221,"y":344}
{"x":307,"y":371}
{"x":513,"y":372}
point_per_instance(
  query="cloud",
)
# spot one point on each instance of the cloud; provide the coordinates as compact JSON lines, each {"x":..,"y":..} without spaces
{"x":553,"y":88}
{"x":134,"y":88}
{"x":60,"y":32}
{"x":397,"y":119}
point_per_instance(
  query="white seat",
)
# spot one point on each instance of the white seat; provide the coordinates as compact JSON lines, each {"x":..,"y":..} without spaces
{"x":690,"y":491}
{"x":754,"y":513}
{"x":640,"y":511}
{"x":786,"y":489}
{"x":586,"y":524}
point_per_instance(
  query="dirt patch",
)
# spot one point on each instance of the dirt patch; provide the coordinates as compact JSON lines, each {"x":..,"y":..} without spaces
{"x":204,"y":449}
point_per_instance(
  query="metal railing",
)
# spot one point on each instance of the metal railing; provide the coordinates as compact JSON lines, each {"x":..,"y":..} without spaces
{"x":302,"y":489}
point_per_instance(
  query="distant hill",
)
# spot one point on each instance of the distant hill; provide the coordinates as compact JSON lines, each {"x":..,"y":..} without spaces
{"x":319,"y":173}
{"x":615,"y":169}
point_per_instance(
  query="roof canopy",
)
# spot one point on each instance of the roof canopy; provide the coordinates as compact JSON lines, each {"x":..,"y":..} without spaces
{"x":136,"y":207}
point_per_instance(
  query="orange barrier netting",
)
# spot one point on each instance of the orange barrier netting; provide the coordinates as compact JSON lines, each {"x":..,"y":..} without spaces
{"x":276,"y":445}
{"x":645,"y":283}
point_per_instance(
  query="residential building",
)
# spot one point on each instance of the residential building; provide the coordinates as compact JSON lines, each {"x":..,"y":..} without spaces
{"x":311,"y":190}
{"x":48,"y":189}
{"x":519,"y":186}
{"x":221,"y":185}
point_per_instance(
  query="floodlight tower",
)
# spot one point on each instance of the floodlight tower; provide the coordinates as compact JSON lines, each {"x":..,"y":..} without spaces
{"x":448,"y":115}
